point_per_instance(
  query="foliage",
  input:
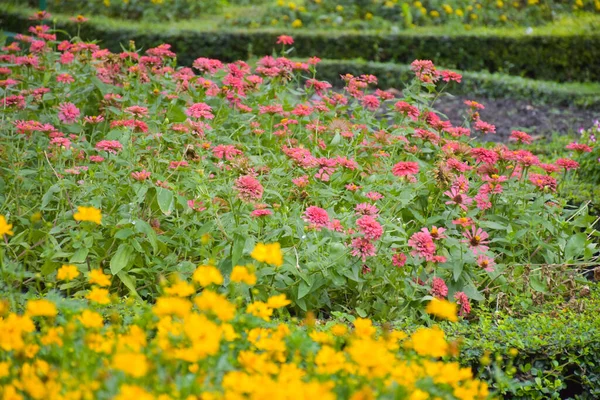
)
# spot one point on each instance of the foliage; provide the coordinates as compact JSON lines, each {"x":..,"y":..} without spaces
{"x":397,"y":14}
{"x":554,"y":349}
{"x":566,"y":55}
{"x":149,"y":10}
{"x":189,"y":169}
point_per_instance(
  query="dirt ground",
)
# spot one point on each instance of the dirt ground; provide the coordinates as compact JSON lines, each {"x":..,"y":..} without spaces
{"x":510,"y":115}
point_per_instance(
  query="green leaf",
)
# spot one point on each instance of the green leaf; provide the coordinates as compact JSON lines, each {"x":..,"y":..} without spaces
{"x":538,"y":284}
{"x":124,"y":233}
{"x":238,"y":248}
{"x":79,"y":256}
{"x":142,"y":226}
{"x":122,"y":258}
{"x":575,"y":246}
{"x":303,"y":289}
{"x":176,"y":114}
{"x":165,"y":201}
{"x":127,"y":281}
{"x":361,"y":313}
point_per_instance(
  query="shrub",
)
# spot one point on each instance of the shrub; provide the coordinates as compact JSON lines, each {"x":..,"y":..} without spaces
{"x":567,"y":56}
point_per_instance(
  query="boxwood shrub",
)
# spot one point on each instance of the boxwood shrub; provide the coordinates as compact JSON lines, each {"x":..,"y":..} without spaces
{"x":538,"y":56}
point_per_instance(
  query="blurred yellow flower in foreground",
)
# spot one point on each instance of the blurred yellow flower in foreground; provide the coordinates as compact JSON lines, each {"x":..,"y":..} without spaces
{"x":91,"y":214}
{"x":269,"y":253}
{"x":5,"y":227}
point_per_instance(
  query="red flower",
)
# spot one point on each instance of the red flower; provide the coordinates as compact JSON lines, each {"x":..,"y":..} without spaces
{"x":405,"y":168}
{"x":286,"y":40}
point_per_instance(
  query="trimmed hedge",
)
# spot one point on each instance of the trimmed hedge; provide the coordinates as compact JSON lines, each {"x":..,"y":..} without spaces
{"x":549,"y":57}
{"x":473,"y":83}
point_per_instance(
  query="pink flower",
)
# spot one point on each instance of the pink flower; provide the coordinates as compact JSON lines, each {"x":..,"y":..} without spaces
{"x":439,"y":288}
{"x":366,"y":209}
{"x":141,"y":175}
{"x":178,"y":164}
{"x":405,"y":168}
{"x":484,"y":127}
{"x":483,"y":201}
{"x":301,"y":181}
{"x":68,"y":113}
{"x":448,"y":76}
{"x":261,"y":212}
{"x":474,"y":105}
{"x":543,"y":182}
{"x":398,"y":260}
{"x":369,"y":227}
{"x":463,"y":301}
{"x":465,"y":222}
{"x":196,"y":205}
{"x":522,"y":137}
{"x":485,"y":156}
{"x":486,"y":263}
{"x":362,"y":248}
{"x":227,"y":151}
{"x":249,"y":188}
{"x":96,"y":119}
{"x":65,"y":78}
{"x":374,"y":196}
{"x":199,"y":110}
{"x":435,"y":232}
{"x":582,"y":148}
{"x":317,"y":217}
{"x":137,"y":111}
{"x":96,"y":159}
{"x":408,"y":110}
{"x":458,"y":198}
{"x":371,"y":102}
{"x":476,"y":239}
{"x":422,"y":244}
{"x":110,"y":146}
{"x":284,"y":39}
{"x":567,"y":163}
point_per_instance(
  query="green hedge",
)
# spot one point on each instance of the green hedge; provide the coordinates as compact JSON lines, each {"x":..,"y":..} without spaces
{"x":539,"y":56}
{"x":557,"y":348}
{"x":390,"y":75}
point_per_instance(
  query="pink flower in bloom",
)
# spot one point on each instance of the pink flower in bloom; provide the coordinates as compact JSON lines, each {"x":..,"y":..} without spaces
{"x":249,"y":188}
{"x":366,"y":209}
{"x":408,"y":110}
{"x":483,"y":201}
{"x":316,"y":217}
{"x":284,"y":39}
{"x":398,"y":260}
{"x":227,"y":151}
{"x":567,"y":163}
{"x":68,"y":113}
{"x":196,"y":205}
{"x":110,"y":146}
{"x":458,"y":198}
{"x":579,"y":147}
{"x":140,"y":175}
{"x":486,"y":263}
{"x":550,"y":168}
{"x":207,"y":65}
{"x":474,"y":105}
{"x":422,"y":244}
{"x":463,"y":301}
{"x":543,"y":182}
{"x":484,"y":127}
{"x":439,"y":288}
{"x":369,"y":227}
{"x":435,"y":232}
{"x":96,"y":159}
{"x":374,"y":196}
{"x":465,"y":222}
{"x":521,"y":137}
{"x":371,"y":102}
{"x":65,"y":78}
{"x":362,"y":248}
{"x":486,"y":156}
{"x":405,"y":168}
{"x":476,"y":239}
{"x":199,"y":110}
{"x":301,"y":181}
{"x":261,"y":212}
{"x":96,"y":119}
{"x":448,"y":76}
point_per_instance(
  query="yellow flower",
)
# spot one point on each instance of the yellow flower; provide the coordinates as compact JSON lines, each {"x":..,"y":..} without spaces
{"x":98,"y":295}
{"x":91,"y":319}
{"x":269,"y":253}
{"x":181,"y":289}
{"x":91,"y":214}
{"x":429,"y":342}
{"x":242,"y":274}
{"x":260,"y":309}
{"x":4,"y":369}
{"x":206,"y":275}
{"x":172,"y":306}
{"x":339,"y":8}
{"x":129,"y":392}
{"x":442,"y":309}
{"x":5,"y":227}
{"x":339,"y":329}
{"x":278,"y":301}
{"x":67,"y":273}
{"x":363,"y":327}
{"x":297,"y":23}
{"x":216,"y":303}
{"x":97,"y":277}
{"x":434,"y":13}
{"x":41,"y":308}
{"x":133,"y":364}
